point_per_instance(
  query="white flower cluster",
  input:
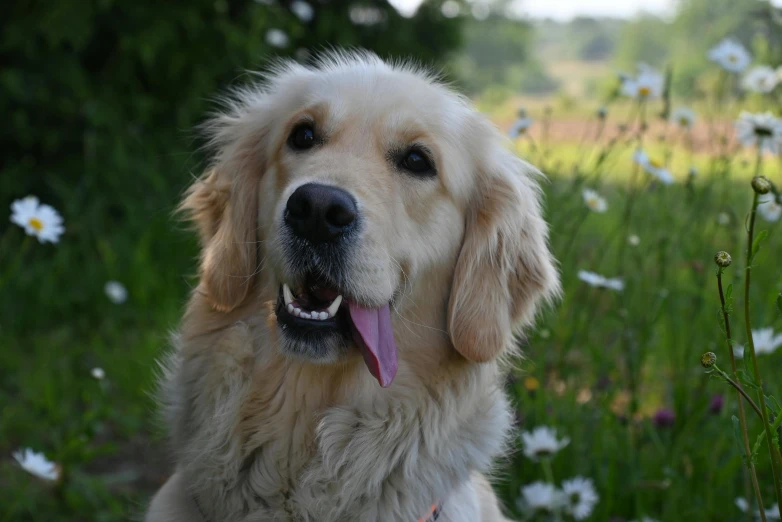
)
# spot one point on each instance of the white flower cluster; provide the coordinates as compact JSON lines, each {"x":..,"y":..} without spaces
{"x":601,"y":281}
{"x":576,"y":498}
{"x":761,"y":130}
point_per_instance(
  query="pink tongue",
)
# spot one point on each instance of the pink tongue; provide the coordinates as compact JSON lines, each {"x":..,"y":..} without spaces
{"x":376,"y":340}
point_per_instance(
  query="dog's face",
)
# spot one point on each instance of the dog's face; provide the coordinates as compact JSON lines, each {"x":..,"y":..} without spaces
{"x":339,"y":190}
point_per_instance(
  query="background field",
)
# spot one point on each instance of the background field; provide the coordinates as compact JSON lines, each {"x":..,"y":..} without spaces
{"x":100,"y":102}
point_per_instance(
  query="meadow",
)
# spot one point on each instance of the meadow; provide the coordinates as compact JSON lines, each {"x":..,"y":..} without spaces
{"x":614,"y":367}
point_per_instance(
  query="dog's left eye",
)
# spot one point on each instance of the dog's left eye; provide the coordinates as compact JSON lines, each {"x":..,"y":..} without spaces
{"x":302,"y":137}
{"x":417,"y":162}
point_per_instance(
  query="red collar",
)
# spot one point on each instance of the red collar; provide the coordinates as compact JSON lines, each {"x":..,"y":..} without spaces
{"x":433,"y":514}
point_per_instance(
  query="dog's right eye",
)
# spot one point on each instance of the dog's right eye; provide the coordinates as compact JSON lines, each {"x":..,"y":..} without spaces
{"x":302,"y":137}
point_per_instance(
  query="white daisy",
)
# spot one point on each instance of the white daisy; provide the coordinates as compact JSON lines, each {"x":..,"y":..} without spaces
{"x":761,"y":79}
{"x":723,"y":218}
{"x":451,"y":8}
{"x":593,"y":279}
{"x":614,"y":283}
{"x":580,"y":497}
{"x":37,"y":464}
{"x":653,"y":167}
{"x":116,"y":292}
{"x":648,"y":83}
{"x":769,"y":208}
{"x":277,"y":38}
{"x":521,"y":125}
{"x":540,"y":496}
{"x":542,"y":442}
{"x":594,"y":201}
{"x":730,"y":55}
{"x":743,"y":505}
{"x":684,"y":117}
{"x":738,"y":351}
{"x":98,"y":373}
{"x":765,"y":341}
{"x":41,"y":221}
{"x":634,"y":240}
{"x":303,"y":10}
{"x":763,"y":130}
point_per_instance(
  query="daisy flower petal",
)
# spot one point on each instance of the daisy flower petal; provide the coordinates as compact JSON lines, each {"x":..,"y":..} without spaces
{"x":580,"y":497}
{"x":730,"y":55}
{"x":40,"y":221}
{"x":542,"y":442}
{"x":37,"y":464}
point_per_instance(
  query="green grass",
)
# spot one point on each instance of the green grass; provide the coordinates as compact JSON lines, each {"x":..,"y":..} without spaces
{"x":605,"y":361}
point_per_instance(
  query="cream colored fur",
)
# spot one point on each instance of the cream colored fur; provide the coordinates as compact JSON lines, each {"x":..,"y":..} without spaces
{"x":259,"y":435}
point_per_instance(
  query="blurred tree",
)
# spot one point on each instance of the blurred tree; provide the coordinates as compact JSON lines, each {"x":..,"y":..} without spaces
{"x":594,"y":39}
{"x":497,"y":51}
{"x":644,"y":39}
{"x":91,"y":86}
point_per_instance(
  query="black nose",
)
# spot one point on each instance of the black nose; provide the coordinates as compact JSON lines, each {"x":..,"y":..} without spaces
{"x":320,"y":213}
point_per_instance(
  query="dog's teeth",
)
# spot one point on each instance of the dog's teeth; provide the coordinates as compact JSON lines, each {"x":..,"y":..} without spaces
{"x":290,"y":308}
{"x":305,"y":315}
{"x":334,"y":306}
{"x":287,"y":294}
{"x":296,"y":311}
{"x":324,"y":316}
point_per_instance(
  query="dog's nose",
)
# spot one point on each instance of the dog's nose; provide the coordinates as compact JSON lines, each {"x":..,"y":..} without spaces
{"x":320,"y":213}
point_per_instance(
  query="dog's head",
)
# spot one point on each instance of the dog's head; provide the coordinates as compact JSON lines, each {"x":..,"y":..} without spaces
{"x":354,"y":191}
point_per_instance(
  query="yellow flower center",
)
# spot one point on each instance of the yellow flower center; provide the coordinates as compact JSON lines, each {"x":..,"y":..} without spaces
{"x":732,"y":58}
{"x":684,"y":121}
{"x":36,"y":223}
{"x":654,"y":163}
{"x":531,"y":383}
{"x":644,"y":91}
{"x":592,"y":202}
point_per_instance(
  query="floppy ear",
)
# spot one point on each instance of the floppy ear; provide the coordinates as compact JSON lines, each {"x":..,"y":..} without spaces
{"x":505,"y":267}
{"x":224,"y":209}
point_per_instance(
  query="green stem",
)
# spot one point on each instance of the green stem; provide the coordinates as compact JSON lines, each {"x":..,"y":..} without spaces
{"x":758,"y":161}
{"x":776,"y":459}
{"x":741,"y":391}
{"x":14,"y":264}
{"x":548,"y":473}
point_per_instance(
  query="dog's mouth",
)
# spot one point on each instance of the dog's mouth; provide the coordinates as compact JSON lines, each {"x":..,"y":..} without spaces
{"x":314,"y":310}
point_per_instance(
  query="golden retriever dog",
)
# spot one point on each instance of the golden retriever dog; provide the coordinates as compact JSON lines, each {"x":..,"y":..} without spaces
{"x":369,"y":246}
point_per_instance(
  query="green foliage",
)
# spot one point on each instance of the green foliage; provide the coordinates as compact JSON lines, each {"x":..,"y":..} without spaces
{"x":645,"y":39}
{"x":498,"y":52}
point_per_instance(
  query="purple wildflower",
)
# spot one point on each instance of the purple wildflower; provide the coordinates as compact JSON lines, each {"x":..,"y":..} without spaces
{"x":716,"y":404}
{"x":664,"y":418}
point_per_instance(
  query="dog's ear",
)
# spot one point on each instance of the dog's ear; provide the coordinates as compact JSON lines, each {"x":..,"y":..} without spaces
{"x":505,"y":267}
{"x":223,"y":203}
{"x":223,"y":206}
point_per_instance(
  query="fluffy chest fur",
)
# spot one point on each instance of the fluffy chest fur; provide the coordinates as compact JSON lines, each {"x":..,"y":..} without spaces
{"x":259,"y":437}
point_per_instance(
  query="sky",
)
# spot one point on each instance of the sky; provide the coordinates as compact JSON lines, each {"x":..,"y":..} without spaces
{"x":567,"y":9}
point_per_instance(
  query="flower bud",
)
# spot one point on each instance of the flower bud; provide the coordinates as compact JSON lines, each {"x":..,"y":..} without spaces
{"x":761,"y":184}
{"x":722,"y":259}
{"x":708,"y":359}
